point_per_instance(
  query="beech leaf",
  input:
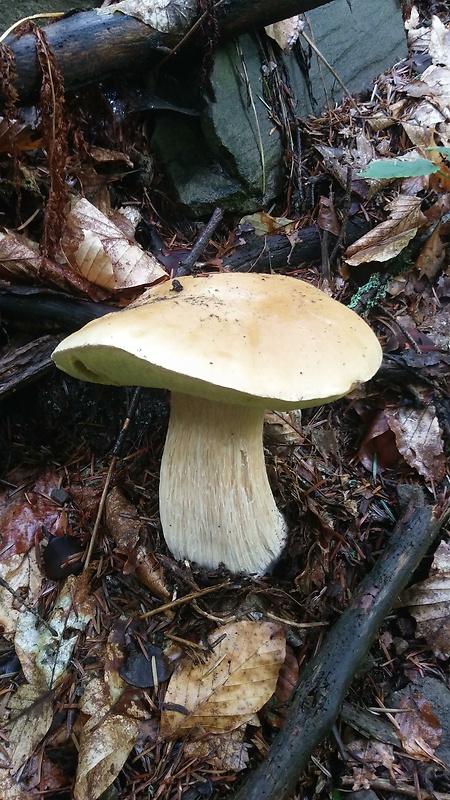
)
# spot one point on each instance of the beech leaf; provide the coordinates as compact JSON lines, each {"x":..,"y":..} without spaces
{"x":98,"y":250}
{"x":231,"y":686}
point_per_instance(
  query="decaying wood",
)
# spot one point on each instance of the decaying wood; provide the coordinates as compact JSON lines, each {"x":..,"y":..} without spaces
{"x":21,"y":365}
{"x":325,"y":682}
{"x":92,"y":45}
{"x":278,"y":252}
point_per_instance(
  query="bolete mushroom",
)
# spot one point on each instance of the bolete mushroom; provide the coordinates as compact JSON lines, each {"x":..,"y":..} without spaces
{"x":228,"y":346}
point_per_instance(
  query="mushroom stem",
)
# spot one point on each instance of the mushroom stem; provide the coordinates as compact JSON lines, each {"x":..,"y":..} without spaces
{"x":216,"y":504}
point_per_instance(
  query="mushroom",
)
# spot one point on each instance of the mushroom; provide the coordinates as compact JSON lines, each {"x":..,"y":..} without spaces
{"x":228,"y":346}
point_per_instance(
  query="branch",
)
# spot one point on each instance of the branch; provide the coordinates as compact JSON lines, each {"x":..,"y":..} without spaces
{"x":93,"y":45}
{"x":325,"y":682}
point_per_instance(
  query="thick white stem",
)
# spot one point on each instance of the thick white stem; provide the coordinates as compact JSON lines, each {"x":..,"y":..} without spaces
{"x":216,"y":504}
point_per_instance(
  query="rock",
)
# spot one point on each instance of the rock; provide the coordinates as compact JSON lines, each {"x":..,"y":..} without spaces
{"x":359,"y":39}
{"x":234,"y":156}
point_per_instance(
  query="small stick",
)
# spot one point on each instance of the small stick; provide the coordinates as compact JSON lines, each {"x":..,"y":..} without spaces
{"x":187,"y":265}
{"x":116,"y":450}
{"x":180,"y":600}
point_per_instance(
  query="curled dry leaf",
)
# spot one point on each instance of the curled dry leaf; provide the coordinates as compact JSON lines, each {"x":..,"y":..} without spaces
{"x":419,"y":439}
{"x":108,"y":734}
{"x":429,"y":601}
{"x":235,"y":682}
{"x":98,"y":250}
{"x":19,"y":257}
{"x":286,"y":32}
{"x":389,"y":238}
{"x":130,"y":538}
{"x":283,"y":427}
{"x":166,"y":16}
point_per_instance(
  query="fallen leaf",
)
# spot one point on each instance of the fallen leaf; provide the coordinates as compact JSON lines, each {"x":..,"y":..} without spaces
{"x":129,"y":535}
{"x":419,"y":729}
{"x":263,"y":223}
{"x":43,"y":656}
{"x":224,"y":751}
{"x":419,"y":439}
{"x":428,"y":602}
{"x":286,"y":32}
{"x":231,"y":686}
{"x":31,"y":717}
{"x":107,"y":736}
{"x":98,"y":250}
{"x":21,"y":572}
{"x":389,"y":238}
{"x":327,"y":219}
{"x":283,"y":427}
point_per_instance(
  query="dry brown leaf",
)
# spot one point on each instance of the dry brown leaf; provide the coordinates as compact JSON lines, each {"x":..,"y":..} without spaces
{"x":286,"y":32}
{"x":174,"y":16}
{"x":129,"y":535}
{"x":19,"y":257}
{"x":107,"y":737}
{"x":428,"y":602}
{"x":31,"y":717}
{"x":432,"y":257}
{"x":327,"y":219}
{"x":224,"y":751}
{"x":419,"y":439}
{"x":98,"y":250}
{"x":43,"y":656}
{"x":16,"y":135}
{"x":389,"y":238}
{"x":22,"y":573}
{"x":419,"y":729}
{"x":283,"y":427}
{"x":263,"y":223}
{"x":234,"y":683}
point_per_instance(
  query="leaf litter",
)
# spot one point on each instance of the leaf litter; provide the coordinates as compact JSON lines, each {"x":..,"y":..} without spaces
{"x":169,"y":734}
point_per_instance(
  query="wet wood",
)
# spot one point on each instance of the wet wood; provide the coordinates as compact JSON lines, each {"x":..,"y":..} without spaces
{"x":325,"y":682}
{"x":91,"y":46}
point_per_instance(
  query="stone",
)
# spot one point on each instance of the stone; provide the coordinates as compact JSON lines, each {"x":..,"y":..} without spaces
{"x":360,"y":40}
{"x":234,"y":157}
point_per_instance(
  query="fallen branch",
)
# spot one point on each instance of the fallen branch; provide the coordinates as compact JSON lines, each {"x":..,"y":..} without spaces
{"x":322,"y":688}
{"x":92,"y":45}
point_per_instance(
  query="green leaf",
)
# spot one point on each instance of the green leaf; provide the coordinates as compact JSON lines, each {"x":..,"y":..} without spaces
{"x":444,"y":150}
{"x":394,"y":168}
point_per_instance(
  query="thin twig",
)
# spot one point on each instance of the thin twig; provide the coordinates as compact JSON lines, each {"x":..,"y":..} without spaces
{"x":180,"y":600}
{"x":117,"y":447}
{"x":187,"y":265}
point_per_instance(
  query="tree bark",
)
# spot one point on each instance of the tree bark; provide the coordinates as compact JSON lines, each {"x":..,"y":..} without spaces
{"x":325,"y":682}
{"x":93,"y":45}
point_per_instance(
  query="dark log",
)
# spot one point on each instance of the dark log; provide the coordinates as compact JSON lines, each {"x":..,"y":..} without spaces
{"x":91,"y":45}
{"x":22,"y":365}
{"x":276,"y":252}
{"x":322,"y":688}
{"x":47,"y":306}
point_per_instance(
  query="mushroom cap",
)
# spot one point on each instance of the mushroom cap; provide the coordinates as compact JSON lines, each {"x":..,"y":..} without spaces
{"x":249,"y":339}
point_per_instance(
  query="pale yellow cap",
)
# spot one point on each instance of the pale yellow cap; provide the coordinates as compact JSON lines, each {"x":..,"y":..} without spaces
{"x":262,"y":340}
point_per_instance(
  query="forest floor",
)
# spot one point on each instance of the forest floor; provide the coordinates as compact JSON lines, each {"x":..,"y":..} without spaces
{"x":102,"y":668}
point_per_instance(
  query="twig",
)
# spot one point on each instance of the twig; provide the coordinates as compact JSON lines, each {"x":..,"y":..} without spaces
{"x":383,"y":785}
{"x":116,"y":450}
{"x":187,"y":265}
{"x":180,"y":600}
{"x":329,"y":67}
{"x":322,"y":688}
{"x":46,"y":15}
{"x":346,"y":205}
